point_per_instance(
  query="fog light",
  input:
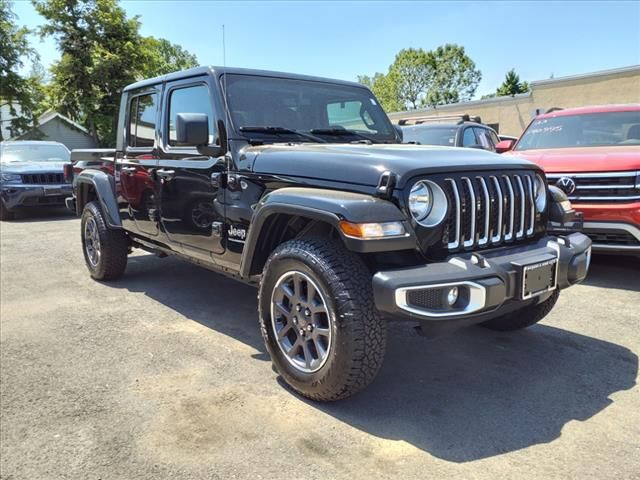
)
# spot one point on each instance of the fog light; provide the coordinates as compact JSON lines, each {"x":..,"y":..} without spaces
{"x":452,"y":296}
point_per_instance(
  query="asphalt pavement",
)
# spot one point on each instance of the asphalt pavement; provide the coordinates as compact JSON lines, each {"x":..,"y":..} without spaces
{"x":163,"y":374}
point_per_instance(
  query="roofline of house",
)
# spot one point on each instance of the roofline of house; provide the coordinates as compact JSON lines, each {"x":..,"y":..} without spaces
{"x":49,"y":115}
{"x":470,"y":103}
{"x":584,"y":76}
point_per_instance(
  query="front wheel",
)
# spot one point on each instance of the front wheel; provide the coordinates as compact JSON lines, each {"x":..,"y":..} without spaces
{"x":524,"y":317}
{"x":318,"y":319}
{"x":5,"y":213}
{"x":105,"y":249}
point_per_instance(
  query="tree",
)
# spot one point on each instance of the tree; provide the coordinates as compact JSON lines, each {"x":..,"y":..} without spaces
{"x":100,"y":49}
{"x":162,"y":57}
{"x":101,"y":52}
{"x":412,"y":73}
{"x":416,"y":78}
{"x":456,"y":76}
{"x":512,"y":85}
{"x":385,"y":89}
{"x":16,"y":91}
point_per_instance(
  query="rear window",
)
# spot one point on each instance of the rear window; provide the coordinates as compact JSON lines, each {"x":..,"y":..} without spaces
{"x":142,"y":120}
{"x":587,"y":130}
{"x":430,"y":136}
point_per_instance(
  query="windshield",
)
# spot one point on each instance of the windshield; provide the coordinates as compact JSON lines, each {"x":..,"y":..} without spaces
{"x":430,"y":135}
{"x":333,"y":112}
{"x":588,"y":130}
{"x":31,"y":152}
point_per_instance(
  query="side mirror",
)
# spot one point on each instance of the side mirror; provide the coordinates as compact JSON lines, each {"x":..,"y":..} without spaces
{"x":192,"y":129}
{"x":399,"y":132}
{"x":505,"y":146}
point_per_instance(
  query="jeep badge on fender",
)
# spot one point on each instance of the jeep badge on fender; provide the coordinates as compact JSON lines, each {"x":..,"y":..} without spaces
{"x":302,"y":187}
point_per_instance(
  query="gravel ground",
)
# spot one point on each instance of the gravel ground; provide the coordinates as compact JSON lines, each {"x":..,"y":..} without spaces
{"x":163,"y":375}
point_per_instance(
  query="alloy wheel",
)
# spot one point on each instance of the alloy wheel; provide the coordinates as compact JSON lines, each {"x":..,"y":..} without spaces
{"x":92,"y":241}
{"x":301,"y":321}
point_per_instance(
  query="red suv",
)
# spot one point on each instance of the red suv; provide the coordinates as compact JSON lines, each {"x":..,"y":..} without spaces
{"x":593,"y":155}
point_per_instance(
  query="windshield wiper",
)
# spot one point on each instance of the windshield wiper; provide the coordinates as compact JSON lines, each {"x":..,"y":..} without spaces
{"x":343,"y":132}
{"x":280,"y":131}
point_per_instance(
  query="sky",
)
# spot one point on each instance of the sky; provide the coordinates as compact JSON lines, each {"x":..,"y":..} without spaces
{"x":346,"y":39}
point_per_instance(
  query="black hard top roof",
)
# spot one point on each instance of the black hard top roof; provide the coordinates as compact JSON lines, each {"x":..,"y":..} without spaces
{"x":217,"y":71}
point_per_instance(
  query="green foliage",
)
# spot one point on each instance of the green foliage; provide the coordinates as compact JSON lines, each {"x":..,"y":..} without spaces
{"x":456,"y":76}
{"x":414,"y":73}
{"x":162,"y":57}
{"x":512,"y":85}
{"x":16,"y":91}
{"x":384,"y":88}
{"x":417,"y":78}
{"x":101,"y":52}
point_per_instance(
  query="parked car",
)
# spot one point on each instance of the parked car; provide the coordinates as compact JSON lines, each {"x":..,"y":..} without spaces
{"x":313,"y":200}
{"x":593,"y":155}
{"x":449,"y":131}
{"x":502,"y":138}
{"x":32,"y":174}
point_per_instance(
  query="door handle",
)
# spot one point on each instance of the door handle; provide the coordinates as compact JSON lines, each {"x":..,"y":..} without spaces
{"x":128,"y":170}
{"x":166,"y":174}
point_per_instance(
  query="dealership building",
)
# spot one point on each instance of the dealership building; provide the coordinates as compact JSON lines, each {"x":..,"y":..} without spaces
{"x":510,"y":115}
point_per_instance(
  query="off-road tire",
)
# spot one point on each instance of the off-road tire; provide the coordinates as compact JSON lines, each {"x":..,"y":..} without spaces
{"x":359,"y":332}
{"x":5,"y":213}
{"x":524,"y":317}
{"x":114,"y":246}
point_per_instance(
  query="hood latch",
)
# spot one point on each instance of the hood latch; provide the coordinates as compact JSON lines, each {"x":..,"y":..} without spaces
{"x":385,"y":184}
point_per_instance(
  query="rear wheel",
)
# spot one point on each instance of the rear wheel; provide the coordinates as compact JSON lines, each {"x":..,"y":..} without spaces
{"x":524,"y":317}
{"x":105,"y":249}
{"x":318,"y":319}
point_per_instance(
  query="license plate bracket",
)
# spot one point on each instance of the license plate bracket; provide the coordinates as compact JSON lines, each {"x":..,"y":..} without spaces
{"x":539,"y":278}
{"x":52,"y":191}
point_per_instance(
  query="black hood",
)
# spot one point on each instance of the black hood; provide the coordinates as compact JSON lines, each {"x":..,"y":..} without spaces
{"x":363,"y":164}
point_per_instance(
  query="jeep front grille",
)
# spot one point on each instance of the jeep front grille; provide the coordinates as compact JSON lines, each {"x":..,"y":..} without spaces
{"x":43,"y":178}
{"x":488,"y":210}
{"x":600,"y":187}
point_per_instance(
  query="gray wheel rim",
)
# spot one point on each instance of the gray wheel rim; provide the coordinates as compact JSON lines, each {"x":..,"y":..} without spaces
{"x":301,"y":321}
{"x":92,"y":241}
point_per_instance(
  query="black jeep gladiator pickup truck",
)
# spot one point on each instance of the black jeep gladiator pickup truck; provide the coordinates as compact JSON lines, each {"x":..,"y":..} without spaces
{"x":301,"y":186}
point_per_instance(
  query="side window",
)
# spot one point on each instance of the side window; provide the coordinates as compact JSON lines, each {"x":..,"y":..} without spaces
{"x":468,"y":138}
{"x":482,"y":134}
{"x":142,"y":120}
{"x":350,"y":115}
{"x":193,"y":99}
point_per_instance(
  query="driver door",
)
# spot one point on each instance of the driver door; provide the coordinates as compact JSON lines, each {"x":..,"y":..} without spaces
{"x":191,"y":201}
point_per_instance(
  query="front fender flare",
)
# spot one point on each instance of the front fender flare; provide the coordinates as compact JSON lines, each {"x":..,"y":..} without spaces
{"x":330,"y":206}
{"x":104,"y":186}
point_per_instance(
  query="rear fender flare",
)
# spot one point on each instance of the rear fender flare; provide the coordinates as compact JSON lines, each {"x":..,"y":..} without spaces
{"x":104,"y":187}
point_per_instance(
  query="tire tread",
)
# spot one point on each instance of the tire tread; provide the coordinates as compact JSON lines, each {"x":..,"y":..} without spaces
{"x":346,"y":274}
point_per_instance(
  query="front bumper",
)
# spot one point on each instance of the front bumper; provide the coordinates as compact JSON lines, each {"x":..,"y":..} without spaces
{"x":490,"y":283}
{"x":18,"y":195}
{"x":612,"y":227}
{"x":613,"y":237}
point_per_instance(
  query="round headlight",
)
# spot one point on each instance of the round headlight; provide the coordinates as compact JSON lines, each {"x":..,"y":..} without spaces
{"x":540,"y":193}
{"x":427,"y":203}
{"x":420,"y":201}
